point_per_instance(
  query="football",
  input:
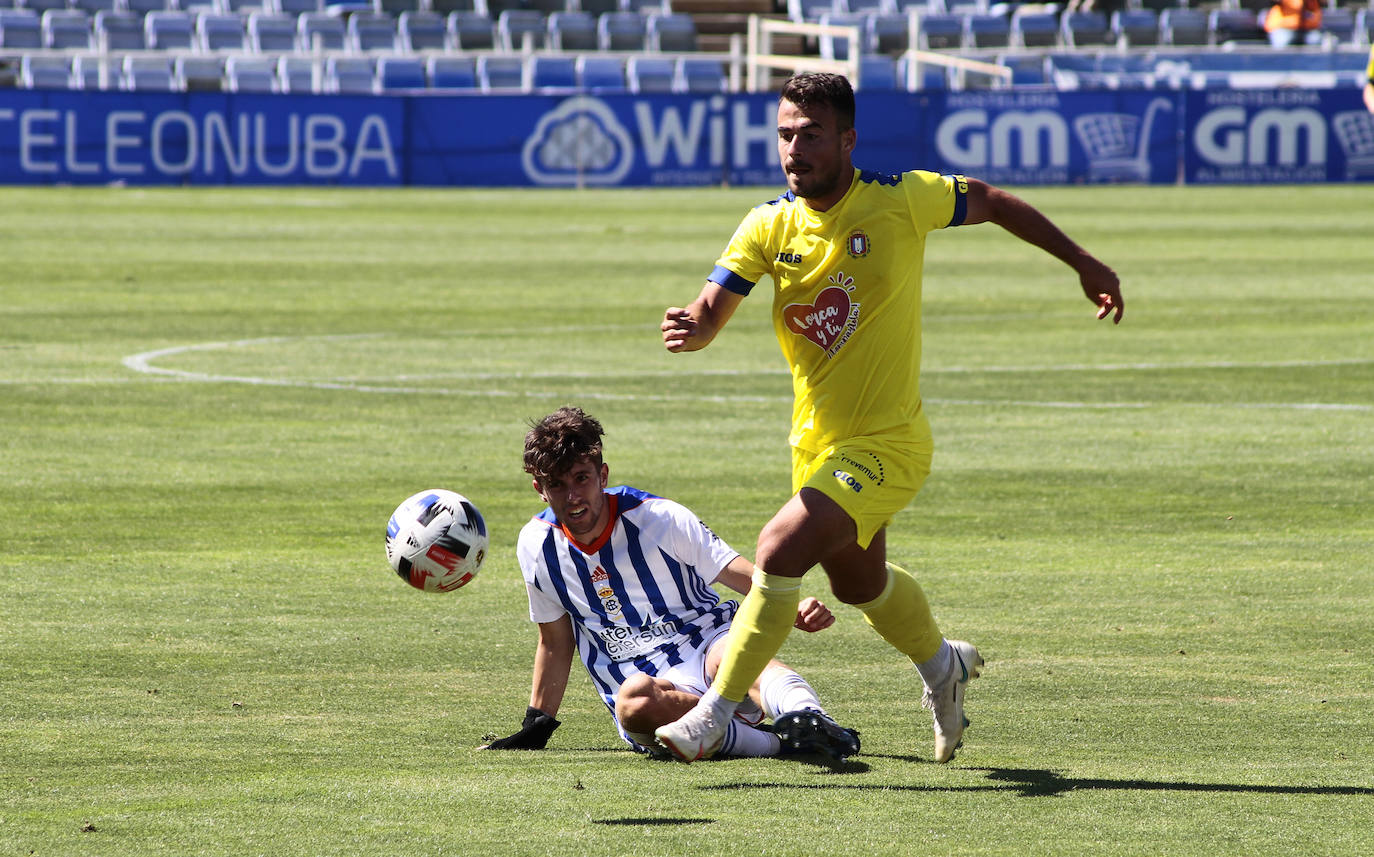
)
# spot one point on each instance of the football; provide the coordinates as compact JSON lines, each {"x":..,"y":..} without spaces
{"x":436,"y":540}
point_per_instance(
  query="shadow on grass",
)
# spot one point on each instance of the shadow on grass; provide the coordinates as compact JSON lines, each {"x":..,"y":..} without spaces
{"x":1042,"y":783}
{"x":651,"y":822}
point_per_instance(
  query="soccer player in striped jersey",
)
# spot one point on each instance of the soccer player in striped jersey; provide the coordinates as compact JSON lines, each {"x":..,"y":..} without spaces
{"x":845,"y":250}
{"x":624,"y":579}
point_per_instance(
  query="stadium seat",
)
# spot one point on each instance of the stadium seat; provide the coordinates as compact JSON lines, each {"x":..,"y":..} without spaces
{"x":600,"y":73}
{"x":670,"y":33}
{"x":67,"y":29}
{"x":87,"y":71}
{"x":838,"y":47}
{"x":494,"y":8}
{"x":552,"y":71}
{"x":621,"y":31}
{"x":572,"y":31}
{"x":597,"y":8}
{"x":451,"y":72}
{"x":271,"y":33}
{"x":349,"y":75}
{"x":90,"y":7}
{"x":119,"y":31}
{"x":45,"y":71}
{"x":699,"y":75}
{"x":547,"y":7}
{"x":471,"y":31}
{"x":138,"y":7}
{"x":297,"y":73}
{"x":167,"y":30}
{"x":886,"y":34}
{"x":395,"y":8}
{"x":495,"y":73}
{"x":371,"y":31}
{"x":878,"y":73}
{"x":235,"y":7}
{"x":293,"y":7}
{"x":250,"y":74}
{"x":20,"y":28}
{"x":1085,"y":29}
{"x":925,"y":76}
{"x":1339,"y":23}
{"x":861,"y":7}
{"x":422,"y":31}
{"x":400,"y":72}
{"x":939,"y":30}
{"x":148,"y":73}
{"x":1034,"y":29}
{"x":319,"y":30}
{"x":445,"y":7}
{"x":645,"y":7}
{"x":216,"y":31}
{"x":647,"y":73}
{"x":1136,"y":27}
{"x":1234,"y":25}
{"x":803,"y":11}
{"x":38,"y":7}
{"x":987,"y":31}
{"x":198,"y":73}
{"x":1181,"y":26}
{"x":516,"y":28}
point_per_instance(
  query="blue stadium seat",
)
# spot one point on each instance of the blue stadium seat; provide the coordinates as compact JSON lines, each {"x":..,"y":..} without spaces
{"x":395,"y":8}
{"x":1136,"y":27}
{"x":987,"y":31}
{"x":349,"y":75}
{"x":621,"y":31}
{"x":552,"y":71}
{"x":422,"y":31}
{"x":940,"y":30}
{"x":878,"y":73}
{"x":670,"y":33}
{"x":495,"y":73}
{"x":864,"y":7}
{"x":517,"y":27}
{"x":217,"y":31}
{"x":1339,"y":23}
{"x":446,"y":7}
{"x":1234,"y":25}
{"x":494,"y":8}
{"x":90,"y":7}
{"x":400,"y":72}
{"x":887,"y":34}
{"x":45,"y":71}
{"x":648,"y":73}
{"x":319,"y":29}
{"x":148,"y":73}
{"x":296,"y":73}
{"x":293,"y":7}
{"x":67,"y":29}
{"x":119,"y":31}
{"x":601,"y":73}
{"x":471,"y":31}
{"x":451,"y":72}
{"x":168,"y":30}
{"x":271,"y":33}
{"x":38,"y":7}
{"x":371,"y":31}
{"x":139,"y":7}
{"x":198,"y":73}
{"x":1034,"y":29}
{"x":699,"y":75}
{"x":20,"y":28}
{"x":837,"y":47}
{"x":1085,"y":29}
{"x":802,"y":11}
{"x":87,"y":70}
{"x":250,"y":74}
{"x":1181,"y":26}
{"x":645,"y":7}
{"x":597,"y":8}
{"x":572,"y":31}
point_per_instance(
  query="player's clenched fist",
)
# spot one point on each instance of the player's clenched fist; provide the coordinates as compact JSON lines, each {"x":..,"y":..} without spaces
{"x":678,"y":329}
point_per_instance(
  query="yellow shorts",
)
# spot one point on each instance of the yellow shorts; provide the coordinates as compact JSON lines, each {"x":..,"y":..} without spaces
{"x":872,"y":479}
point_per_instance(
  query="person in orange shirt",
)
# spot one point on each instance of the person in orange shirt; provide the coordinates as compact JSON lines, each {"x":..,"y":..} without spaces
{"x":1294,"y":21}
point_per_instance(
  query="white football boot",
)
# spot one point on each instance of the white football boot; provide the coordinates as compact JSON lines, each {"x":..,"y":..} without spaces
{"x":946,"y":700}
{"x":693,"y":736}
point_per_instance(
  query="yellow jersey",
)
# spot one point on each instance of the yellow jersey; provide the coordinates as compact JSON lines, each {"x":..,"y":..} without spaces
{"x":847,"y":300}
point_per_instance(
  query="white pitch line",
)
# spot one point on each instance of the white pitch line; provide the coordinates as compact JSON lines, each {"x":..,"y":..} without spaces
{"x":143,"y":364}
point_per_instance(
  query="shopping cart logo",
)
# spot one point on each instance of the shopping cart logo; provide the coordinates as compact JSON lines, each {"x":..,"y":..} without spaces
{"x":1355,"y":134}
{"x":1118,"y":144}
{"x":579,"y":142}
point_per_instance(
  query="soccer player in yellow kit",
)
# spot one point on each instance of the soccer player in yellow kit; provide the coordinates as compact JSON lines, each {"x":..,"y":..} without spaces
{"x":845,"y":250}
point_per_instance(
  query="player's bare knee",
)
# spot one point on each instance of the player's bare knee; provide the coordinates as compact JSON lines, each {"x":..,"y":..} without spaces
{"x":635,"y":701}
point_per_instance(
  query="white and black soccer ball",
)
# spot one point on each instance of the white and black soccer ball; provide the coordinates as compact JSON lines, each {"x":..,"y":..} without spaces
{"x":436,"y":540}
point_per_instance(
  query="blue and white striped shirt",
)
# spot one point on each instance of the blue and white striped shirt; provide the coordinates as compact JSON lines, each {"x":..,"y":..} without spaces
{"x":639,"y":596}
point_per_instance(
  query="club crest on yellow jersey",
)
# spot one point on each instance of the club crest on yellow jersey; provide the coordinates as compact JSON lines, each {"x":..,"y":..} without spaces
{"x":858,"y":244}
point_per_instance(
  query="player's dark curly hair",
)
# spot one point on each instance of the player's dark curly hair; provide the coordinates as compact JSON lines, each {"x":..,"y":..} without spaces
{"x":555,"y":444}
{"x":815,"y":89}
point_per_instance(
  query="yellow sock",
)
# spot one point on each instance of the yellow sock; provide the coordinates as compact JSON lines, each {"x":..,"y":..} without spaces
{"x":765,"y":617}
{"x":901,"y":615}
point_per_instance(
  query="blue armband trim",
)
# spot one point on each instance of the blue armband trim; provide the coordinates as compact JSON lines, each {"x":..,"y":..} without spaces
{"x":960,"y":200}
{"x":729,"y":280}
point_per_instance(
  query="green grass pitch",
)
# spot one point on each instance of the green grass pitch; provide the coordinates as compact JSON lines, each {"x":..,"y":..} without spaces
{"x":1161,"y":535}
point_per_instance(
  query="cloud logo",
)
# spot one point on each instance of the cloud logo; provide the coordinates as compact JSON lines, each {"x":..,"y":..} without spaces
{"x":578,"y":142}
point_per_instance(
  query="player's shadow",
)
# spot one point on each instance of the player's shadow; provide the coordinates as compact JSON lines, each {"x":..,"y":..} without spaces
{"x":1033,"y":782}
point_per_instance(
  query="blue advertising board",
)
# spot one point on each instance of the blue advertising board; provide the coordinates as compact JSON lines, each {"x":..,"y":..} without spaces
{"x":609,"y":140}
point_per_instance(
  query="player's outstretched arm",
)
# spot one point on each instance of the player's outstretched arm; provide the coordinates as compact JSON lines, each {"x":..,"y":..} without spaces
{"x":693,"y":327}
{"x":988,"y":204}
{"x":552,"y":665}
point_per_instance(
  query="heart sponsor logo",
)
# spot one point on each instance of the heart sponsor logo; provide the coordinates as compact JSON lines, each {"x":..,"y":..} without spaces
{"x":830,"y":321}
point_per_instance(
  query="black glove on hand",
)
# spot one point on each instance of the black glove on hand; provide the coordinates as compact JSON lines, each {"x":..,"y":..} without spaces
{"x":534,"y":732}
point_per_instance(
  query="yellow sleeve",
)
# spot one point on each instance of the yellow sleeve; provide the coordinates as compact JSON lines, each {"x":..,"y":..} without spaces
{"x":745,"y":260}
{"x":936,"y":201}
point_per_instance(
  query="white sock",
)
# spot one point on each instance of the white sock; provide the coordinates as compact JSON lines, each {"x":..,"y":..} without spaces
{"x":936,"y":671}
{"x":744,"y":740}
{"x":783,"y":690}
{"x":721,"y":709}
